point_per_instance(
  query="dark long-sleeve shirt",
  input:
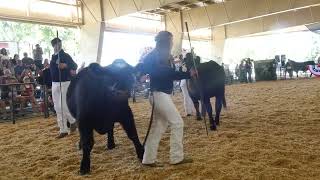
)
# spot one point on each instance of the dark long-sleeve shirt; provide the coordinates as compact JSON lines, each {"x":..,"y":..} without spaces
{"x":161,"y":75}
{"x":65,"y":73}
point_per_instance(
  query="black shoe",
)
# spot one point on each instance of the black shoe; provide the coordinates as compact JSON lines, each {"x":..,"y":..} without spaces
{"x":62,"y":135}
{"x":154,"y":165}
{"x":73,"y":127}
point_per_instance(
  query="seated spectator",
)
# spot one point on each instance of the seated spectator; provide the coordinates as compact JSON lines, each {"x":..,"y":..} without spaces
{"x":27,"y":92}
{"x":28,"y":62}
{"x":27,"y":72}
{"x":7,"y":78}
{"x":7,"y":65}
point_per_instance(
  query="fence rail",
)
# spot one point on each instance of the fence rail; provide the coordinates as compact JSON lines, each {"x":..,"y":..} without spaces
{"x":23,"y":100}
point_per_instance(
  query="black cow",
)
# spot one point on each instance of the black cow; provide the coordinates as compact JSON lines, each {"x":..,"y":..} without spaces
{"x":98,"y":97}
{"x":298,"y":66}
{"x":211,"y":83}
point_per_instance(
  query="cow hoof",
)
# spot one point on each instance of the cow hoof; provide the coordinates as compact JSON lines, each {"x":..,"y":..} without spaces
{"x":84,"y":172}
{"x":199,"y":118}
{"x":213,"y":127}
{"x":111,"y":146}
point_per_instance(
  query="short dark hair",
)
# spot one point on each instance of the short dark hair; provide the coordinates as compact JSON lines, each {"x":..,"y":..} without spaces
{"x":55,"y":41}
{"x":163,"y":38}
{"x":163,"y":35}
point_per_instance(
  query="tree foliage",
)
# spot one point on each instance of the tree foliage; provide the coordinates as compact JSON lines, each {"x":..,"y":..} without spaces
{"x":39,"y":34}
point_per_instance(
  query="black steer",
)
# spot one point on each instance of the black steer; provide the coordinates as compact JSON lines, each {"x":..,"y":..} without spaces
{"x":299,"y":66}
{"x":211,"y":83}
{"x":98,"y":97}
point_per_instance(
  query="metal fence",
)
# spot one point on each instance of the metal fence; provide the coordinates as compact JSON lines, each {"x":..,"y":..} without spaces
{"x":24,"y":100}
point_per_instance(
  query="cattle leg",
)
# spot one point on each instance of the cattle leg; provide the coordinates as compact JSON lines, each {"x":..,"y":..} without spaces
{"x":86,"y":138}
{"x":111,"y":144}
{"x":285,"y":74}
{"x":134,"y":96}
{"x":218,"y":107}
{"x":224,"y":102}
{"x":196,"y":106}
{"x":129,"y":126}
{"x":209,"y":111}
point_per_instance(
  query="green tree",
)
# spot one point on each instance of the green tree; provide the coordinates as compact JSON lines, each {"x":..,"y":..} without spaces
{"x":39,"y":34}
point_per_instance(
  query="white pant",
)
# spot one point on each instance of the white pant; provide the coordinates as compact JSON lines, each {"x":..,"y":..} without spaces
{"x":165,"y":113}
{"x":62,"y":121}
{"x":187,"y":102}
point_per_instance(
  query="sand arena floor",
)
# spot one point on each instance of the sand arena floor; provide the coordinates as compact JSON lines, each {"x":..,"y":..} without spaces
{"x":271,"y":130}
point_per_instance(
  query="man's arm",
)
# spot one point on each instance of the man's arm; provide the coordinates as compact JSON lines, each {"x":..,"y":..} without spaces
{"x":160,"y":71}
{"x":70,"y":63}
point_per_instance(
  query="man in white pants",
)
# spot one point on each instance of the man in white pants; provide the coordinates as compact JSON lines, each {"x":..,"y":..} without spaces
{"x":62,"y":67}
{"x":187,"y":101}
{"x":158,"y":65}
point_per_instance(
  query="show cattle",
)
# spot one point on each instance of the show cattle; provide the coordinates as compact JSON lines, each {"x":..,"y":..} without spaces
{"x":98,"y":97}
{"x":210,"y":83}
{"x":297,"y":66}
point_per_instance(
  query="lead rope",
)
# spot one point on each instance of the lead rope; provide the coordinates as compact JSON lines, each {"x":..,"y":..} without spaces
{"x":150,"y":122}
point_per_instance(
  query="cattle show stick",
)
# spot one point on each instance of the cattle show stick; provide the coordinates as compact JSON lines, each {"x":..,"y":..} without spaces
{"x":60,"y":84}
{"x":150,"y":123}
{"x":196,"y":80}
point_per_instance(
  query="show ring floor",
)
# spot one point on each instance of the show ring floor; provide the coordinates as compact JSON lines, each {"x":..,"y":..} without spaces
{"x":271,"y":130}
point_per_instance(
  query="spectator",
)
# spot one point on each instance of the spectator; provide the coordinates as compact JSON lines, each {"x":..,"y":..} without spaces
{"x":19,"y":69}
{"x":37,"y":56}
{"x":15,"y":59}
{"x":3,"y":56}
{"x":7,"y":65}
{"x":7,"y":92}
{"x":4,"y":53}
{"x":46,"y":64}
{"x":27,"y":92}
{"x":27,"y":73}
{"x":28,"y":62}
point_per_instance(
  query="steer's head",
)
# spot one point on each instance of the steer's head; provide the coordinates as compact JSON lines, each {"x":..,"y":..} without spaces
{"x":190,"y":61}
{"x":124,"y":74}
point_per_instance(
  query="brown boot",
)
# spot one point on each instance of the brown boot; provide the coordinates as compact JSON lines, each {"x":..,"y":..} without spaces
{"x":62,"y":135}
{"x":73,"y":127}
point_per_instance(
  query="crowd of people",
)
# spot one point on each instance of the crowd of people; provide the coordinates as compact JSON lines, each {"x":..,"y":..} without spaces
{"x":18,"y":78}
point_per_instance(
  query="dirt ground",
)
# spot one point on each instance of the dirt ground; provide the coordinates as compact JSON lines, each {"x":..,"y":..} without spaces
{"x":271,"y":130}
